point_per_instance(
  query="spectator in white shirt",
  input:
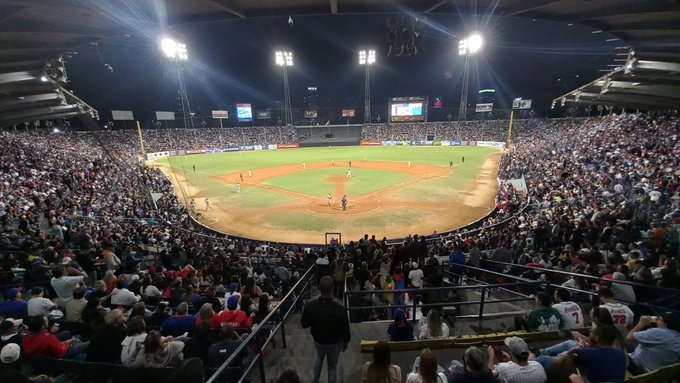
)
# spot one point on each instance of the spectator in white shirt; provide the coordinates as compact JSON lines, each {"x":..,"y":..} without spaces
{"x":64,"y":285}
{"x":520,"y":369}
{"x":416,"y":276}
{"x":622,"y":291}
{"x":39,"y":306}
{"x":622,"y":316}
{"x":123,"y":296}
{"x":572,"y":316}
{"x":433,"y":327}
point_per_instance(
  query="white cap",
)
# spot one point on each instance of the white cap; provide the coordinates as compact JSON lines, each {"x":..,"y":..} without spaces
{"x":10,"y":353}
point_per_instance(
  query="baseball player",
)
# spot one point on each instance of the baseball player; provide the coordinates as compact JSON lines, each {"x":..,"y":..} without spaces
{"x":304,"y":166}
{"x":329,"y":197}
{"x":349,"y":173}
{"x":241,"y":176}
{"x":207,"y":204}
{"x":344,"y":202}
{"x":409,"y":164}
{"x":192,"y":206}
{"x":250,"y":173}
{"x":238,"y":187}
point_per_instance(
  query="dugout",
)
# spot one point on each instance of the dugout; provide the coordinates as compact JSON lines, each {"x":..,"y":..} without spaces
{"x":325,"y":135}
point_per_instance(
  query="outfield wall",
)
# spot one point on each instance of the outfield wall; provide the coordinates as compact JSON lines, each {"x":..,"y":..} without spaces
{"x":243,"y":148}
{"x":487,"y":144}
{"x":324,"y":135}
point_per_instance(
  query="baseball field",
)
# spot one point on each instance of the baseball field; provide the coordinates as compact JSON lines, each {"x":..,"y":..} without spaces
{"x":282,"y":195}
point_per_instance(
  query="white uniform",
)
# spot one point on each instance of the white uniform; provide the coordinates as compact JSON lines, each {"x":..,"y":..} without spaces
{"x":250,"y":173}
{"x":304,"y":165}
{"x":349,"y":173}
{"x":622,"y":316}
{"x":238,"y":188}
{"x":409,"y":164}
{"x":572,"y":316}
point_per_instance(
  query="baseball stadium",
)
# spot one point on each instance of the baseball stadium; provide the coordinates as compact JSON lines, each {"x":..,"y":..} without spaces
{"x":198,"y":191}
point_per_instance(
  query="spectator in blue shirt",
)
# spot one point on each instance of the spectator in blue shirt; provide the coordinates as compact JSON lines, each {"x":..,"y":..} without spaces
{"x":14,"y":306}
{"x":456,"y":260}
{"x":657,"y":346}
{"x":180,"y":323}
{"x":602,"y":351}
{"x":400,"y":330}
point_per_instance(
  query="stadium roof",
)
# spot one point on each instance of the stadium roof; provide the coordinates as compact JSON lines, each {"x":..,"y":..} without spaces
{"x":36,"y":35}
{"x":648,"y":82}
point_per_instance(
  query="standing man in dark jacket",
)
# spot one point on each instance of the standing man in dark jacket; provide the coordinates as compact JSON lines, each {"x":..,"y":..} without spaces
{"x":329,"y":327}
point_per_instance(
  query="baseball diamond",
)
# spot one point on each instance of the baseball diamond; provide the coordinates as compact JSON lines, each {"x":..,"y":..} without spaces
{"x":286,"y":201}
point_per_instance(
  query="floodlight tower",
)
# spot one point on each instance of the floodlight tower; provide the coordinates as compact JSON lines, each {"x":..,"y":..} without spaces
{"x":178,"y":51}
{"x":284,"y":59}
{"x":367,"y":58}
{"x":467,"y":47}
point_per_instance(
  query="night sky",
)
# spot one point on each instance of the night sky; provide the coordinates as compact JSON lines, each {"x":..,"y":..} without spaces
{"x":233,"y":61}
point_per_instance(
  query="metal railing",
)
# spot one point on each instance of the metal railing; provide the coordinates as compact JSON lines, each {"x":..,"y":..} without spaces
{"x":607,"y":282}
{"x":291,"y":301}
{"x":418,"y":294}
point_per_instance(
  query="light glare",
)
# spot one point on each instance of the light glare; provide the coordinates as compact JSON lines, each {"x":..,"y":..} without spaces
{"x":174,"y":49}
{"x":283,"y":58}
{"x":471,"y":45}
{"x":366,"y":57}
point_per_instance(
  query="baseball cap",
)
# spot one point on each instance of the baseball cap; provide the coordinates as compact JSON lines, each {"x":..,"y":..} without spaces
{"x":517,"y":346}
{"x":10,"y":353}
{"x":232,"y":302}
{"x":12,"y":293}
{"x":66,"y":260}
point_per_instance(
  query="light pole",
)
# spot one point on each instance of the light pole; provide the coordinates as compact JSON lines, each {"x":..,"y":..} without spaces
{"x":367,"y":58}
{"x":178,"y":52}
{"x":285,"y":59}
{"x":467,"y":47}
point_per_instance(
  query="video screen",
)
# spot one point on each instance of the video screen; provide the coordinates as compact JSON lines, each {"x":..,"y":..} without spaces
{"x":244,"y":112}
{"x":408,"y":109}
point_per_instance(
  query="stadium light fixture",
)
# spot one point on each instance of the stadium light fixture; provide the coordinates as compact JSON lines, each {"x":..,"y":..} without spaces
{"x":284,"y":58}
{"x":471,"y":45}
{"x":367,"y":57}
{"x":174,"y":49}
{"x":44,"y":78}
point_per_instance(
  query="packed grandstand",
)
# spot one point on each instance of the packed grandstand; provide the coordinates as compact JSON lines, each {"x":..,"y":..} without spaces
{"x":138,"y":283}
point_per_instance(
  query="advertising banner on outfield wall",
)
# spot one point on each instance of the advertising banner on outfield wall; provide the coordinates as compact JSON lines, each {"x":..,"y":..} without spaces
{"x":235,"y":149}
{"x":288,"y":146}
{"x":389,"y":143}
{"x":257,"y":147}
{"x":464,"y":143}
{"x":181,"y":152}
{"x":455,"y":143}
{"x":491,"y":144}
{"x":437,"y":143}
{"x":472,"y":143}
{"x":247,"y":147}
{"x":272,"y":146}
{"x":446,"y":143}
{"x":371,"y":143}
{"x":429,"y":143}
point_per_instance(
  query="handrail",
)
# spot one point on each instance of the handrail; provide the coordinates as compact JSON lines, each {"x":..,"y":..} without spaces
{"x":634,"y":284}
{"x":419,"y":292}
{"x":591,"y":293}
{"x":246,"y":342}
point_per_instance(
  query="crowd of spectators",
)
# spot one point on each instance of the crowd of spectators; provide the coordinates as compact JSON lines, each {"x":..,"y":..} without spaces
{"x":83,"y":235}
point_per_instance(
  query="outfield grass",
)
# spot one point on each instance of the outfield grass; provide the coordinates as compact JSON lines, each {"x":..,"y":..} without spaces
{"x":313,"y":182}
